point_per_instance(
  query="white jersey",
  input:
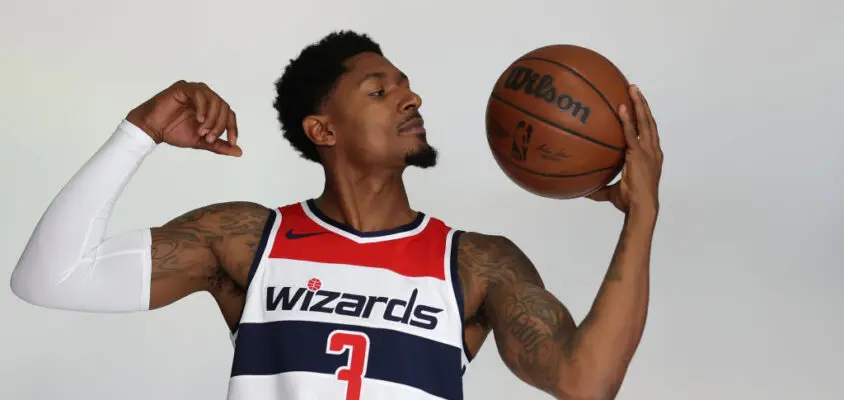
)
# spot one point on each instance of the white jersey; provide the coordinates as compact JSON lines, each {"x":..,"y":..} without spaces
{"x":333,"y":313}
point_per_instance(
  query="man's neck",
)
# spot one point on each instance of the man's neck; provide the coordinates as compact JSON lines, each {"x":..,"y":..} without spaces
{"x":366,"y":202}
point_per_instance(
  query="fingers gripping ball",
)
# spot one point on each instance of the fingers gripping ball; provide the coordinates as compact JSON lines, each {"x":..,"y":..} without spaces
{"x":552,"y":121}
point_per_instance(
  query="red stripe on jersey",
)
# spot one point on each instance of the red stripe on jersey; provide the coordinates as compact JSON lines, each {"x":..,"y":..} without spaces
{"x":419,"y":255}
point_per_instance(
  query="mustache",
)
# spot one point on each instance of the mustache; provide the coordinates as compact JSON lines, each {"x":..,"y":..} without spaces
{"x":416,"y":116}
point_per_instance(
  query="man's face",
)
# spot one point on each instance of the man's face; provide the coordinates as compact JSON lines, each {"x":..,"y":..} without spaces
{"x":373,"y":116}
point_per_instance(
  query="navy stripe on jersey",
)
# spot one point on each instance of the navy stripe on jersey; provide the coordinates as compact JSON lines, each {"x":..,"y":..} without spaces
{"x":284,"y":346}
{"x":458,"y":290}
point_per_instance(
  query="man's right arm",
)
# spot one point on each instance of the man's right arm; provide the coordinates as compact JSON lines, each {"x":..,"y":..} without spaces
{"x":69,"y":263}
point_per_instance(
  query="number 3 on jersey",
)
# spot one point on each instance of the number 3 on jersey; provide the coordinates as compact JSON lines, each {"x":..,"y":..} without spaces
{"x":357,"y":343}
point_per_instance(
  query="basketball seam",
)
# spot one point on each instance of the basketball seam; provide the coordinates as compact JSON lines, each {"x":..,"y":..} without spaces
{"x":570,"y":69}
{"x":547,"y":175}
{"x":496,"y":96}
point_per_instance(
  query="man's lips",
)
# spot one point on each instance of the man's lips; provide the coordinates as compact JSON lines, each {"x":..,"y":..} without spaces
{"x":414,"y":126}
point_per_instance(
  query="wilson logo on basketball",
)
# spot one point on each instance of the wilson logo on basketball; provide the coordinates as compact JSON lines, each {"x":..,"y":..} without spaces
{"x":541,"y":86}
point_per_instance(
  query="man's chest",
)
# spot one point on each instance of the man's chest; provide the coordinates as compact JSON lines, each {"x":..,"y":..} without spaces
{"x":295,"y":289}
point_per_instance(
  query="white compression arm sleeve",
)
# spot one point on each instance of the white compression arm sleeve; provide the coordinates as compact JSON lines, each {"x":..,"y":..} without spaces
{"x":68,"y":263}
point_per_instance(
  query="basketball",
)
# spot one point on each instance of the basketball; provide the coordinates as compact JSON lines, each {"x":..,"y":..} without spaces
{"x":552,"y":121}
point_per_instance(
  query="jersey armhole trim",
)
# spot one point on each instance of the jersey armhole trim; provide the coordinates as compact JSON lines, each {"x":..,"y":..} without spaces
{"x":259,"y":253}
{"x":262,"y":247}
{"x":458,"y":290}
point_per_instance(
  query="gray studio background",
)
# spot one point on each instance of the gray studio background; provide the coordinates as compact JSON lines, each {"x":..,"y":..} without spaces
{"x":747,"y":264}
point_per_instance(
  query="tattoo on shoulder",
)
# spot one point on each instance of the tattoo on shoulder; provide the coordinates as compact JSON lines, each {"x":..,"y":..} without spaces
{"x":494,"y":260}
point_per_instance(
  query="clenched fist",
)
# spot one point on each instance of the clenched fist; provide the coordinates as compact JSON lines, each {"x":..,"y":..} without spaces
{"x":191,"y":115}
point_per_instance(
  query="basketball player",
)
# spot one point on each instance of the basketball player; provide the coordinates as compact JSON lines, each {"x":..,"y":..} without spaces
{"x":352,"y":294}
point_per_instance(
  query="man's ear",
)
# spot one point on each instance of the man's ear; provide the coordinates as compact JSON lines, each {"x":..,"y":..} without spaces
{"x":319,"y":131}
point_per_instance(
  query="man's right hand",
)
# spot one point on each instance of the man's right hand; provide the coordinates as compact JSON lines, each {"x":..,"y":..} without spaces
{"x":191,"y":115}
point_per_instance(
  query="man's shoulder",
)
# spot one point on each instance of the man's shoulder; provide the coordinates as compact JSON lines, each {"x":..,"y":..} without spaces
{"x":489,"y":244}
{"x":237,"y":207}
{"x":249,"y":207}
{"x":477,"y":243}
{"x":228,"y":215}
{"x":477,"y":249}
{"x":494,"y":257}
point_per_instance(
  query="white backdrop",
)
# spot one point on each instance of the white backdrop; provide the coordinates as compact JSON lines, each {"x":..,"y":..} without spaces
{"x":747,"y":264}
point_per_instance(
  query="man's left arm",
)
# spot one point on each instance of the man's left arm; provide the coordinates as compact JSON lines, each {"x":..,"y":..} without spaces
{"x":535,"y":334}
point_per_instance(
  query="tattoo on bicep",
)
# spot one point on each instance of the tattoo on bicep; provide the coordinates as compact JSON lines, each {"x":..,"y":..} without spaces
{"x":199,"y":241}
{"x":181,"y":249}
{"x":533,"y":328}
{"x":530,"y":325}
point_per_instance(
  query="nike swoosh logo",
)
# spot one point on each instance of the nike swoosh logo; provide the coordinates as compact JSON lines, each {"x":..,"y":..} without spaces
{"x":292,"y":236}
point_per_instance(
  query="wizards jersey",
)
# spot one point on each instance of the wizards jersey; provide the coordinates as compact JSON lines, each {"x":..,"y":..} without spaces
{"x":334,"y":313}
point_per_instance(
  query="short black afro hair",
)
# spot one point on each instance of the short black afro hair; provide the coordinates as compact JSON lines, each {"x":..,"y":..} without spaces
{"x":308,"y":80}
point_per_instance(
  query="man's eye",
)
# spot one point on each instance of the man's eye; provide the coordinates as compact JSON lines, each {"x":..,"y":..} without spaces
{"x":379,"y":92}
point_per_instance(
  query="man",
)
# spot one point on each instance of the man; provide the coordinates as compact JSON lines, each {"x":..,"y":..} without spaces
{"x":353,"y":294}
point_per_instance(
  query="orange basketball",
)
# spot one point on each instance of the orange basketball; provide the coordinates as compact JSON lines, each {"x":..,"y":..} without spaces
{"x":552,"y":121}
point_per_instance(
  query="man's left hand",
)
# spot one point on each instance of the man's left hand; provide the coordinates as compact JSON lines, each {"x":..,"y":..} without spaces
{"x":638,"y":188}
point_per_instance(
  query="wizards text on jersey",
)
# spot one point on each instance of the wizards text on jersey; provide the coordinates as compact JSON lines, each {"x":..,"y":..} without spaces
{"x":403,"y":311}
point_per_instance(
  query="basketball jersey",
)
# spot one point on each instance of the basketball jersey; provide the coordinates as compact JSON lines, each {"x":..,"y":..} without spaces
{"x":334,"y":313}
